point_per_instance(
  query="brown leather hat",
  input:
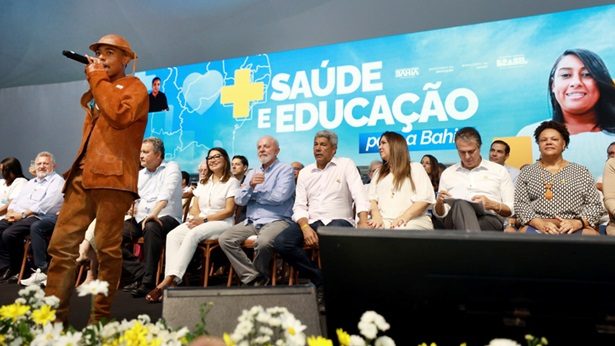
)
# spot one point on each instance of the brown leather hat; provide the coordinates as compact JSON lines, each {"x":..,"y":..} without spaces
{"x":115,"y":41}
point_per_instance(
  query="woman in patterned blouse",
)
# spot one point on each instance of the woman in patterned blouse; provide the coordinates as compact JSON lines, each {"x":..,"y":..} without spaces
{"x":554,"y":196}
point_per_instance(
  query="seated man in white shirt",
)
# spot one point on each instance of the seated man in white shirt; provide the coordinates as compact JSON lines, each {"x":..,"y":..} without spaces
{"x":474,"y":194}
{"x":324,"y":196}
{"x":156,"y":213}
{"x":33,"y":211}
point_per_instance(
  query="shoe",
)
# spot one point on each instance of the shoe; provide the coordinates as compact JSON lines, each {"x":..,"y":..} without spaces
{"x":5,"y":273}
{"x":37,"y":278}
{"x":154,"y":296}
{"x":131,"y":287}
{"x":260,"y":281}
{"x":10,"y":280}
{"x":140,"y":291}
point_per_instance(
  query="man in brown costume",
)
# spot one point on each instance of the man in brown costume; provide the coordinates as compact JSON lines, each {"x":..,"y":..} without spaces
{"x":102,"y":181}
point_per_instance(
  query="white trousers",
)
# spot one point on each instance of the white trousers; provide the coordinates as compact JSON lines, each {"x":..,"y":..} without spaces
{"x":183,"y":241}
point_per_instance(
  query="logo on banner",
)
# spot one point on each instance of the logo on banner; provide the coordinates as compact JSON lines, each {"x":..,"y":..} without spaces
{"x":242,"y":93}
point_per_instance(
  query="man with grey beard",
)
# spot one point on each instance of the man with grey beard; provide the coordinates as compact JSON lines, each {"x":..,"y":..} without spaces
{"x":268,"y":194}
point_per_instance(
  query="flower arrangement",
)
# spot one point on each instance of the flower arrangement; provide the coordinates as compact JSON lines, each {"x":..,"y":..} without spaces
{"x":277,"y":326}
{"x":31,"y":320}
{"x":271,"y":326}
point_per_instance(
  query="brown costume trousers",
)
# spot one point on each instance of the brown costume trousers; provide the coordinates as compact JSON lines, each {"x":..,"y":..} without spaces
{"x":80,"y":207}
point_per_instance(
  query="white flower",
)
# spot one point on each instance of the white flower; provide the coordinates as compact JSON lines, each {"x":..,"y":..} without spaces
{"x":263,"y":317}
{"x":368,"y":329}
{"x":110,"y":330}
{"x":145,"y":319}
{"x":182,"y":332}
{"x":375,"y":318}
{"x":30,"y":290}
{"x":52,"y":301}
{"x":356,"y":340}
{"x":48,"y":335}
{"x":69,"y":339}
{"x":94,"y":287}
{"x":265,"y":330}
{"x":384,"y":341}
{"x":381,"y":323}
{"x":503,"y":342}
{"x":263,"y":339}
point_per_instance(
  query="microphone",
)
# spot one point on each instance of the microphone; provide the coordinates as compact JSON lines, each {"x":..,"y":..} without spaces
{"x":77,"y":57}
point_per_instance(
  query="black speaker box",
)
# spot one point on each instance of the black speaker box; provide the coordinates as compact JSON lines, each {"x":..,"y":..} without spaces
{"x":181,"y":306}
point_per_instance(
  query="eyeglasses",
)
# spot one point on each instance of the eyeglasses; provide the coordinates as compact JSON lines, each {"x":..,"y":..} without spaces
{"x":214,"y":157}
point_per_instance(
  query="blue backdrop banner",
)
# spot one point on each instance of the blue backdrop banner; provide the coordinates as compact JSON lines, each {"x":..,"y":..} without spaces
{"x":493,"y":76}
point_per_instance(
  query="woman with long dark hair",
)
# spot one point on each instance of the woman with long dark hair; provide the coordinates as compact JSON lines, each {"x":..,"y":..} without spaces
{"x":12,"y":183}
{"x":211,"y":214}
{"x":582,"y":97}
{"x":432,"y":167}
{"x":400,"y":191}
{"x":582,"y":92}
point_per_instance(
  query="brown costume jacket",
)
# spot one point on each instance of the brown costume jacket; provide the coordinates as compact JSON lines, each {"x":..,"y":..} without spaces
{"x":113,"y":133}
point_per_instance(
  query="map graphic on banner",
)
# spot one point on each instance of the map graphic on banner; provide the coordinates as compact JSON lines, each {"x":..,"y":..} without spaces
{"x":493,"y":76}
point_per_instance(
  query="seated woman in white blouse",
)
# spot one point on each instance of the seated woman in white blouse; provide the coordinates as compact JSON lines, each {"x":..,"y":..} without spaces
{"x":400,"y":191}
{"x":211,"y":214}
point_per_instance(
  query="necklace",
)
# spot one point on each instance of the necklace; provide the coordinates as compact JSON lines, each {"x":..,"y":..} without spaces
{"x":548,"y":183}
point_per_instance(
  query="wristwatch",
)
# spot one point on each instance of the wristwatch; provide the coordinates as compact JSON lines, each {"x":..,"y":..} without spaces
{"x":23,"y":214}
{"x":205,"y":219}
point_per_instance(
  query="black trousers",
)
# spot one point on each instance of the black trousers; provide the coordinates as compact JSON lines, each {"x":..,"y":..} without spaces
{"x":154,"y":238}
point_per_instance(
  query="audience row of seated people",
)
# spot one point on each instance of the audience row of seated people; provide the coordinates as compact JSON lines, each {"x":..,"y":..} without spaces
{"x":285,"y":210}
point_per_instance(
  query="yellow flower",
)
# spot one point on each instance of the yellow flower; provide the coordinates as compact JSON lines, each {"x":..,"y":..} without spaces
{"x":227,"y":340}
{"x":114,"y":342}
{"x":544,"y":341}
{"x":2,"y":339}
{"x":135,"y":336}
{"x":343,"y":337}
{"x":319,"y":341}
{"x":45,"y":314}
{"x":155,"y":342}
{"x":13,"y":311}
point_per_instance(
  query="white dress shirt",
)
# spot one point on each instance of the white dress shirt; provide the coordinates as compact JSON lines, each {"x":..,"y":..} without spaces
{"x":163,"y":184}
{"x":327,"y":194}
{"x":489,"y":179}
{"x":392,"y":202}
{"x":9,"y":193}
{"x":212,"y":196}
{"x":41,"y":196}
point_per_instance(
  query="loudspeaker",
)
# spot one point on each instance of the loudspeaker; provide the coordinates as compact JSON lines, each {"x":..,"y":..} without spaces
{"x":181,"y":306}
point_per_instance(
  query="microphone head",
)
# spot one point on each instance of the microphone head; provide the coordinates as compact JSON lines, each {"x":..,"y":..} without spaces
{"x":75,"y":56}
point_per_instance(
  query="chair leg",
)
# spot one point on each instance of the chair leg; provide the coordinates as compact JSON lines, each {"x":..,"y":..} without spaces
{"x":274,"y":269}
{"x":229,"y":281}
{"x":79,"y":274}
{"x":160,"y":268}
{"x":24,"y":261}
{"x":207,"y":262}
